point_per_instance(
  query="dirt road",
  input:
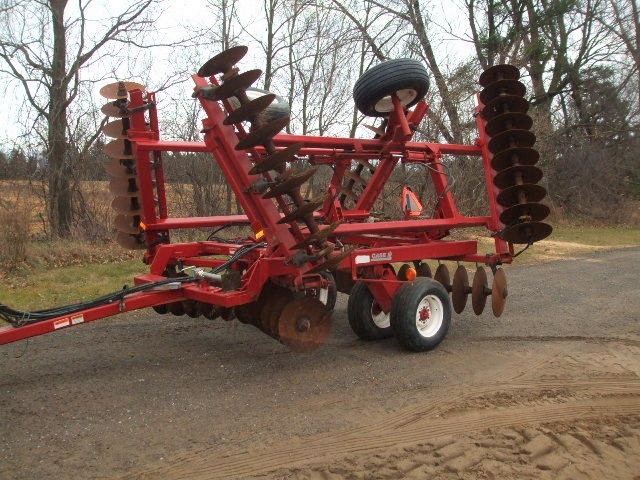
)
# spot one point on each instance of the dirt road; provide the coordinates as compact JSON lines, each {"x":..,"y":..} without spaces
{"x":549,"y":390}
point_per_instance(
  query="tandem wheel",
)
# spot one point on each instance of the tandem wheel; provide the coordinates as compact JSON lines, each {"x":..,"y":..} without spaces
{"x":366,"y":318}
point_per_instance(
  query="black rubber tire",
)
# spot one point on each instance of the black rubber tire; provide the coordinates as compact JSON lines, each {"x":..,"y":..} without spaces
{"x":389,"y":77}
{"x":332,"y":293}
{"x":359,"y":314}
{"x":278,"y":109}
{"x":404,"y":309}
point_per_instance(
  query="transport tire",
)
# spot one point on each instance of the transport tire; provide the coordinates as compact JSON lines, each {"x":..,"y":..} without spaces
{"x":279,"y":108}
{"x":366,"y":318}
{"x":405,"y":77}
{"x":421,"y":314}
{"x":327,"y":296}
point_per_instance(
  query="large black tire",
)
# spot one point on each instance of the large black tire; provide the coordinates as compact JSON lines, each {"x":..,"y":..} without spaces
{"x":404,"y":76}
{"x":363,"y":321}
{"x":327,"y":296}
{"x":279,"y":108}
{"x":421,"y":314}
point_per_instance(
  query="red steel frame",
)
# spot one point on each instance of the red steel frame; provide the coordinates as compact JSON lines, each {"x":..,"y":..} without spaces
{"x":378,"y":243}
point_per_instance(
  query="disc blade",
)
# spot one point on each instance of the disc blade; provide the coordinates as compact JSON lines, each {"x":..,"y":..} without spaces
{"x":347,"y":192}
{"x":276,"y":160}
{"x":249,"y":111}
{"x":516,"y":175}
{"x":333,"y":262}
{"x":223,"y":62}
{"x":499,"y":72}
{"x":423,"y":269}
{"x":525,"y":233}
{"x":273,"y":299}
{"x":515,"y":194}
{"x":524,"y":212}
{"x":378,"y":131}
{"x":304,"y":324}
{"x":119,"y":149}
{"x":504,"y":104}
{"x":514,"y":156}
{"x":291,"y":184}
{"x":459,"y":289}
{"x":511,"y":138}
{"x":115,"y":129}
{"x":355,"y":177}
{"x":261,"y":135}
{"x":127,"y":224}
{"x":365,"y":163}
{"x":500,"y":88}
{"x":116,"y":169}
{"x":130,"y":242}
{"x":508,"y":121}
{"x":242,"y":81}
{"x":479,"y":290}
{"x":120,"y":90}
{"x":319,"y":236}
{"x":113,"y":109}
{"x":302,"y":212}
{"x":176,"y":308}
{"x":126,"y":205}
{"x":498,"y":292}
{"x":442,"y":276}
{"x":123,"y":187}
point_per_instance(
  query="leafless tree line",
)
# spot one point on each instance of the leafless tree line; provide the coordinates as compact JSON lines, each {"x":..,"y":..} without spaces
{"x":580,"y":59}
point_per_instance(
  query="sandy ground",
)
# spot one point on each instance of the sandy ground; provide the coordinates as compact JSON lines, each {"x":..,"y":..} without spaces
{"x":549,"y":390}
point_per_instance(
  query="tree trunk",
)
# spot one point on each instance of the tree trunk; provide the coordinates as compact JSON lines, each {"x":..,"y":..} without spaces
{"x":60,"y":204}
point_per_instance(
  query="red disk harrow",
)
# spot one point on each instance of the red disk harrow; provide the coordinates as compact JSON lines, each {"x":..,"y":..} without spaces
{"x":284,"y":277}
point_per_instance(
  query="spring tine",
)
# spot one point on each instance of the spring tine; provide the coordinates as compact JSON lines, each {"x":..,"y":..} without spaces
{"x":275,"y":160}
{"x":319,"y":236}
{"x":120,"y":90}
{"x":355,"y":177}
{"x":223,"y":62}
{"x":302,"y":212}
{"x":250,"y":110}
{"x":291,"y":183}
{"x":263,"y":134}
{"x":242,"y":81}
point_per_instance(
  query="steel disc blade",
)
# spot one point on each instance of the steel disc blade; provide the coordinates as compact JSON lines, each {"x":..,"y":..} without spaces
{"x":510,"y":139}
{"x":125,"y":205}
{"x":120,"y":90}
{"x":112,"y":109}
{"x":365,"y":163}
{"x":479,"y":290}
{"x":319,"y":236}
{"x":349,"y":193}
{"x":130,"y":242}
{"x":508,"y":121}
{"x":223,"y":62}
{"x":118,"y":170}
{"x":516,"y":175}
{"x":423,"y":270}
{"x":304,"y":324}
{"x":514,"y":156}
{"x":276,"y":160}
{"x":120,"y":149}
{"x":333,"y":262}
{"x":442,"y":276}
{"x":176,"y":308}
{"x":500,"y":88}
{"x":127,"y":224}
{"x":261,"y":135}
{"x":459,"y":289}
{"x":249,"y":111}
{"x":242,"y":81}
{"x":302,"y":212}
{"x":498,"y":292}
{"x":515,"y":194}
{"x":524,"y":212}
{"x":355,"y":177}
{"x":291,"y":184}
{"x":504,"y":104}
{"x":123,"y":187}
{"x":525,"y":233}
{"x":499,"y":72}
{"x":115,"y":129}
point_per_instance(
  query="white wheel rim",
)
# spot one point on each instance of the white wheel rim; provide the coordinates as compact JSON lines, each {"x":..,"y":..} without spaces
{"x":323,"y":295}
{"x":380,"y":319}
{"x":406,"y":96}
{"x":429,"y":316}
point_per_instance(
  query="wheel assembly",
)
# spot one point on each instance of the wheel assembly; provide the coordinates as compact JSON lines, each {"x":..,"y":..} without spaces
{"x":366,"y":318}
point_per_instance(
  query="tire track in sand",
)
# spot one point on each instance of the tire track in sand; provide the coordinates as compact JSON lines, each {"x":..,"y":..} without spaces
{"x":395,"y":431}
